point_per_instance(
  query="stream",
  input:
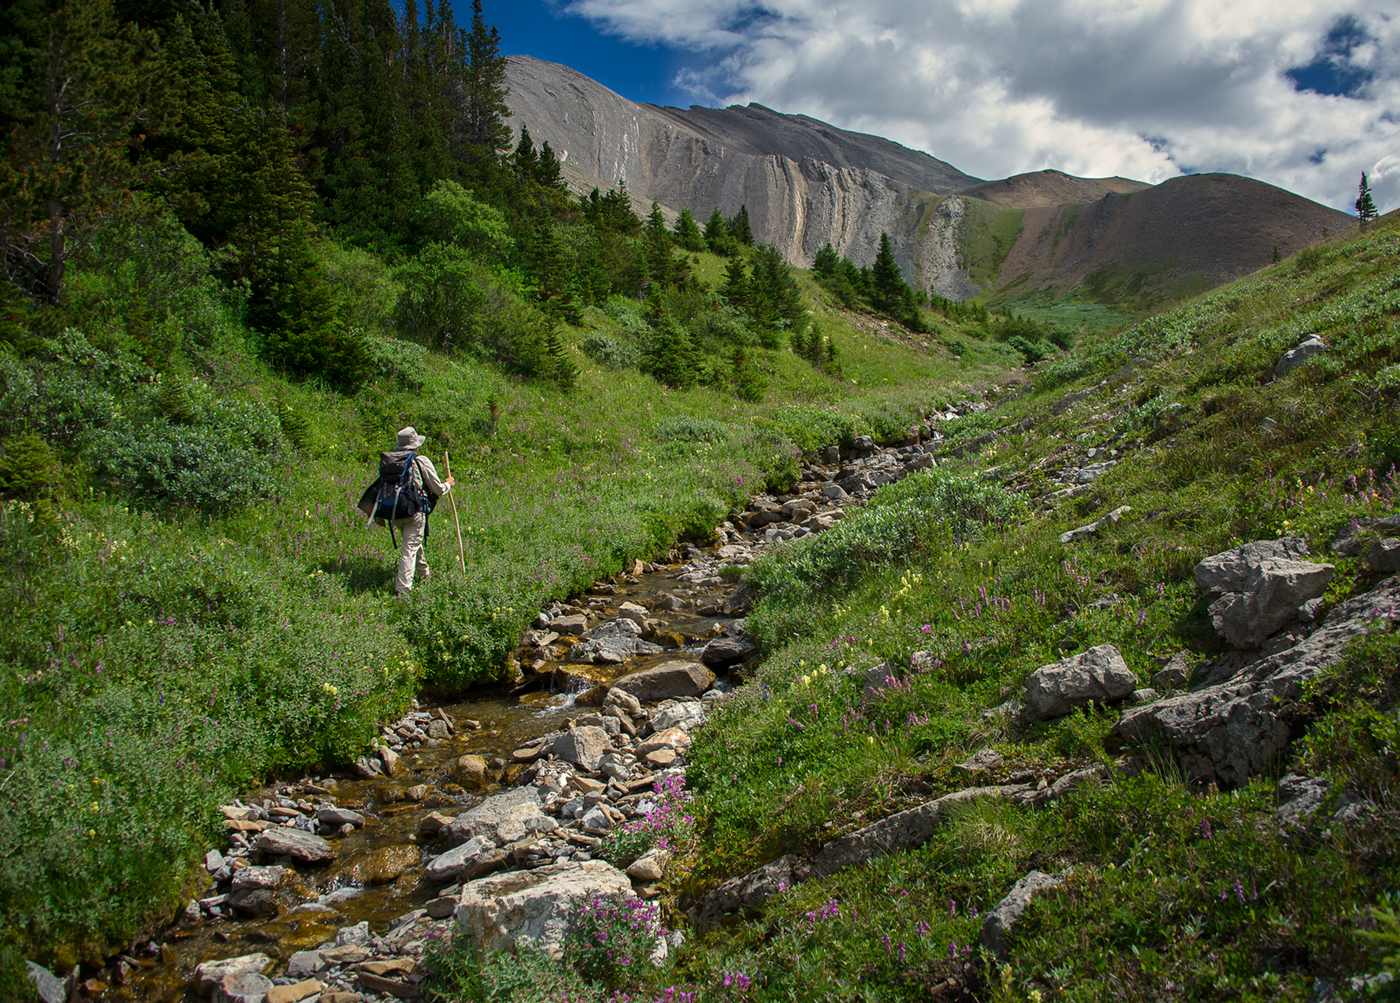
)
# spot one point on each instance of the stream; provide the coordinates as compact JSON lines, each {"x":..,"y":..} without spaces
{"x":377,"y":875}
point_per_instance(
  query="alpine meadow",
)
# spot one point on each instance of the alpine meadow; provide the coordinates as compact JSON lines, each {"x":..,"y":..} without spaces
{"x":806,"y":623}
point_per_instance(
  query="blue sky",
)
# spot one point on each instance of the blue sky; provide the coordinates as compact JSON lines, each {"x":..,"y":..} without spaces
{"x":1303,"y":94}
{"x":639,"y":71}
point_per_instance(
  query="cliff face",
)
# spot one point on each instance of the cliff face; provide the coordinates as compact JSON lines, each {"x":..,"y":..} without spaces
{"x":806,"y":183}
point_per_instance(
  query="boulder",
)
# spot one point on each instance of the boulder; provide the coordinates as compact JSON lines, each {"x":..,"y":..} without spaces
{"x":469,"y":771}
{"x":583,"y":746}
{"x":332,"y":816}
{"x":304,"y":963}
{"x":637,"y":614}
{"x":1010,"y":909}
{"x":728,"y":650}
{"x":575,"y":623}
{"x":1227,"y":571}
{"x":211,"y":973}
{"x":1299,"y":798}
{"x":980,"y":762}
{"x":242,"y":989}
{"x":1384,"y":555}
{"x":685,"y":716}
{"x":649,"y":868}
{"x":258,"y":877}
{"x":1268,"y":599}
{"x":1175,"y":674}
{"x":256,"y":902}
{"x":612,"y":650}
{"x":289,"y":841}
{"x":667,"y":680}
{"x":47,"y":985}
{"x":1232,"y":730}
{"x":1099,"y":674}
{"x":536,"y":907}
{"x":475,"y":857}
{"x":1091,"y":473}
{"x":484,"y":820}
{"x":624,"y":701}
{"x":620,"y":626}
{"x":1309,"y":348}
{"x":387,"y":863}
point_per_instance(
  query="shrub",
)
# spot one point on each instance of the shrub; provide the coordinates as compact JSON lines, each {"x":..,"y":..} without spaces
{"x":229,"y":453}
{"x":442,"y":291}
{"x":609,"y":351}
{"x":28,"y":467}
{"x":613,"y":940}
{"x":684,"y":428}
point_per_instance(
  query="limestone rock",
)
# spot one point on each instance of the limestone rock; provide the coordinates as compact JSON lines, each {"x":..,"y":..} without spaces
{"x":980,"y":762}
{"x":1010,"y":909}
{"x":289,"y":841}
{"x":258,"y":877}
{"x":728,"y":650}
{"x":583,"y":746}
{"x":210,"y":973}
{"x":249,"y":988}
{"x":469,"y":771}
{"x":649,"y":868}
{"x":1232,"y":730}
{"x":475,"y":857}
{"x":1099,"y":674}
{"x":1384,"y":555}
{"x":387,"y":863}
{"x":575,"y":623}
{"x":1228,"y":570}
{"x":294,"y":993}
{"x":686,"y":715}
{"x":1299,"y":798}
{"x":667,"y":680}
{"x":304,"y":963}
{"x":613,"y":650}
{"x":1268,"y":600}
{"x":1175,"y":674}
{"x":535,"y":907}
{"x":333,"y":816}
{"x":1310,"y":348}
{"x":49,"y":986}
{"x":485,"y":819}
{"x":1093,"y":528}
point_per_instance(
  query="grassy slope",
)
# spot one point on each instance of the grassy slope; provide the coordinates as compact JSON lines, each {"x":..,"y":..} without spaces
{"x":1176,"y":894}
{"x":158,"y":659}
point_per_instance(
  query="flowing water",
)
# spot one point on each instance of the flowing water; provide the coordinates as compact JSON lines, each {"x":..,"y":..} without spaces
{"x":319,"y":901}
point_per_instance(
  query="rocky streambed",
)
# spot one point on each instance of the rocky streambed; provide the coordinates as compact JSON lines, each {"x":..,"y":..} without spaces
{"x":485,"y":816}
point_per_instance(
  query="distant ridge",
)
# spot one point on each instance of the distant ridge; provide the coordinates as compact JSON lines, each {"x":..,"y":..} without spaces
{"x":806,"y":183}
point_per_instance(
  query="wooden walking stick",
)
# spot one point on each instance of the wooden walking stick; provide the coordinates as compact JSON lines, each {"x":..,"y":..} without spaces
{"x":461,"y":554}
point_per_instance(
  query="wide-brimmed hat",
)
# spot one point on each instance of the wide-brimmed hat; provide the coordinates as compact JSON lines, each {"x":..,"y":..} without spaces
{"x":410,"y":439}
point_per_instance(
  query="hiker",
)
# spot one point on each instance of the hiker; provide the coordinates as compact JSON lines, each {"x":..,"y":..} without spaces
{"x":407,"y":490}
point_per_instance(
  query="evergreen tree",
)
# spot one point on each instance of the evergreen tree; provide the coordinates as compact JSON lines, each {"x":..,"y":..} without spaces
{"x":717,"y":233}
{"x":826,"y":262}
{"x":739,"y":227}
{"x":736,"y":283}
{"x":548,"y":172}
{"x":661,"y":267}
{"x":669,"y":356}
{"x":526,"y":161}
{"x":74,"y":84}
{"x":887,"y":285}
{"x":482,"y":134}
{"x":1365,"y":206}
{"x":749,"y":382}
{"x":688,"y":233}
{"x":560,"y":369}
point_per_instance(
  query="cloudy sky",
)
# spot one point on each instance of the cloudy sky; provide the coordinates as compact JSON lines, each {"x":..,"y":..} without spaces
{"x":1304,"y":94}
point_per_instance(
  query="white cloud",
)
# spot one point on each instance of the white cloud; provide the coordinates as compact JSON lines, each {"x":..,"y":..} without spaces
{"x":1139,"y":88}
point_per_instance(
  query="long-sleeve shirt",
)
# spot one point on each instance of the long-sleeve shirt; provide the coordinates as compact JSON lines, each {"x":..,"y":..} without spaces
{"x":431,"y":481}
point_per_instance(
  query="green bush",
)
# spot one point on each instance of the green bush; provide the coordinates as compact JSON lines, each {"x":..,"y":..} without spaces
{"x":443,"y":288}
{"x":228,"y":454}
{"x":609,"y":351}
{"x":28,"y":467}
{"x":686,"y":428}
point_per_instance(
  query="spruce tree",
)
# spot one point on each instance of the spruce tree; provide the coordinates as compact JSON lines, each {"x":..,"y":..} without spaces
{"x":526,"y":161}
{"x":482,"y":134}
{"x":560,"y":369}
{"x":661,"y":267}
{"x":739,"y":227}
{"x":887,"y":285}
{"x":548,"y":172}
{"x":717,"y":233}
{"x":826,"y":262}
{"x":74,"y":84}
{"x":688,"y":233}
{"x":1365,"y":206}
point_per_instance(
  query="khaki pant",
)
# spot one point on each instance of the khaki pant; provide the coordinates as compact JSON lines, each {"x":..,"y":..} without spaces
{"x":411,"y":557}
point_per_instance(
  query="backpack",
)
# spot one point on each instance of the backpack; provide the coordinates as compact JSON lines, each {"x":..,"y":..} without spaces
{"x":398,"y":491}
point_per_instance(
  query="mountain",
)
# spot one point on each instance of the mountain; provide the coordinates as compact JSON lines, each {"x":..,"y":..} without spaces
{"x":806,"y":183}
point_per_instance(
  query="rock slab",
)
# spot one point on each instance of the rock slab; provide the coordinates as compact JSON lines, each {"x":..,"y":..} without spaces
{"x":1011,"y":908}
{"x":666,"y":681}
{"x":535,"y":907}
{"x":1099,"y":674}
